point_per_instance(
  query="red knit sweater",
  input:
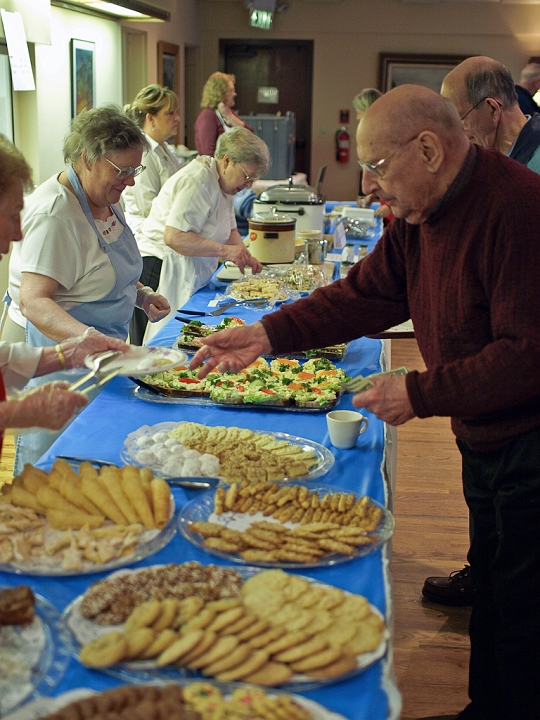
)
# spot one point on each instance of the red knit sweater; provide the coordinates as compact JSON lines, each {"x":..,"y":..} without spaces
{"x":469,"y":277}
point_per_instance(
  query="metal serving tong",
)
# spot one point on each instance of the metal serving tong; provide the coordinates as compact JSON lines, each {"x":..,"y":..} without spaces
{"x":189,"y":482}
{"x":98,"y":363}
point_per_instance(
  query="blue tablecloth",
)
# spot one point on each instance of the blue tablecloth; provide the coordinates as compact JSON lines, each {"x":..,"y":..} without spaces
{"x":100,"y":430}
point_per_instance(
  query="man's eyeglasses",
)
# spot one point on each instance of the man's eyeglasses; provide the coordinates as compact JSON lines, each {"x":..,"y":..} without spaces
{"x":376,"y":168}
{"x":124,"y":173}
{"x":248,"y":178}
{"x":477,"y":104}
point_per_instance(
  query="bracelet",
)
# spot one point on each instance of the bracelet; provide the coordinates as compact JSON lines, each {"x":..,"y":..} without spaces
{"x":60,"y":353}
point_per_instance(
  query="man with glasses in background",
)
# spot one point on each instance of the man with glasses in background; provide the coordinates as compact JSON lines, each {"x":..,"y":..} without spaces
{"x":483,"y":92}
{"x":462,"y":260}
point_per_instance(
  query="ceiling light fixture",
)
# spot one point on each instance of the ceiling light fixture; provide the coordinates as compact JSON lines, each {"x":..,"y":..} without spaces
{"x":128,"y":9}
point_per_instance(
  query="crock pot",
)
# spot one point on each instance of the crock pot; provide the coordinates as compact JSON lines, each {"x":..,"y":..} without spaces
{"x":301,"y":201}
{"x":271,"y":237}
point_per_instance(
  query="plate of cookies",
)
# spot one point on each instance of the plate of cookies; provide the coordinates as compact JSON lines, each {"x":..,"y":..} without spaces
{"x":67,"y":522}
{"x":242,"y":454}
{"x":35,"y":647}
{"x":285,"y":525}
{"x":271,"y":628}
{"x":211,"y":700}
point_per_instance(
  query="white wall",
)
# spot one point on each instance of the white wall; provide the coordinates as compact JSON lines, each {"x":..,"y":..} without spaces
{"x":348,"y":37}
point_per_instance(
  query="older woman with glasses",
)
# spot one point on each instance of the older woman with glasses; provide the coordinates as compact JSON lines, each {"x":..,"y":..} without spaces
{"x":192,"y":223}
{"x":78,"y":266}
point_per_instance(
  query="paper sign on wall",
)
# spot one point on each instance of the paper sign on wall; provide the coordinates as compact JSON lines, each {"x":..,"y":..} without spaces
{"x":21,"y":70}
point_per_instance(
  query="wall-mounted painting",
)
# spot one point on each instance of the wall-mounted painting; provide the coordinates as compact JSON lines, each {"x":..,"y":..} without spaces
{"x":83,"y":76}
{"x":428,"y":70}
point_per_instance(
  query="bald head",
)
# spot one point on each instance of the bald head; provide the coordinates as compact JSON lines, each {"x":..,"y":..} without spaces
{"x":412,"y":146}
{"x":477,"y":78}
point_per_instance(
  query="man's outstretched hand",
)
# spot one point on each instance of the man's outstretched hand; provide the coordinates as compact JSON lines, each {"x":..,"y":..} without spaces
{"x":231,"y":350}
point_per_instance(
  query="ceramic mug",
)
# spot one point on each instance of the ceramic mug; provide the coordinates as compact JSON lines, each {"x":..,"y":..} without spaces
{"x":344,"y":427}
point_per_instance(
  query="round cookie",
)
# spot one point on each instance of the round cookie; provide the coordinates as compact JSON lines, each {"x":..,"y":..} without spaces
{"x":257,"y":659}
{"x":239,"y":655}
{"x":224,"y":604}
{"x":223,"y":646}
{"x":344,"y":665}
{"x":180,"y":647}
{"x":139,"y":640}
{"x":315,"y":645}
{"x":273,"y":673}
{"x":143,"y":615}
{"x":226,"y":618}
{"x":208,"y":640}
{"x":288,"y":640}
{"x":188,"y":608}
{"x":253,"y":631}
{"x":161,"y":642}
{"x":240,"y":625}
{"x":318,"y":660}
{"x":104,"y":651}
{"x":169,"y":612}
{"x":260,"y":641}
{"x":200,"y":621}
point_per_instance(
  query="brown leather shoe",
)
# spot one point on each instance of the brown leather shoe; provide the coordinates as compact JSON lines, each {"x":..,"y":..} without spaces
{"x":456,"y":589}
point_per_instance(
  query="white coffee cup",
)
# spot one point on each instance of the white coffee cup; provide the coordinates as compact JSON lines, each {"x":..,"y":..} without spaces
{"x":344,"y":427}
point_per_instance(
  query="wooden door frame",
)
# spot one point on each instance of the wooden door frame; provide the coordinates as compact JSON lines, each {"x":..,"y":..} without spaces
{"x":273,"y":43}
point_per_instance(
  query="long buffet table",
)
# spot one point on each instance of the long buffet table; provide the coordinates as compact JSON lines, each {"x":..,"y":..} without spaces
{"x":99,"y":431}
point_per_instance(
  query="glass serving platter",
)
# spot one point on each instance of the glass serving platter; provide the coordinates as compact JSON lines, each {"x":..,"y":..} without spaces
{"x":155,"y":541}
{"x":201,"y":509}
{"x":149,"y":393}
{"x":45,"y":706}
{"x":41,"y":664}
{"x":130,"y":448}
{"x":140,"y":672}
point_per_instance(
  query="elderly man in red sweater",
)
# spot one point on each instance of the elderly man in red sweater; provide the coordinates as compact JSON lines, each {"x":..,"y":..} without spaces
{"x":462,"y":259}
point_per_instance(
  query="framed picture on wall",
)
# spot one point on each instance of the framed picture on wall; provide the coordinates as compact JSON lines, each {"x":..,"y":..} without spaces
{"x":428,"y":70}
{"x":83,"y":76}
{"x":169,"y":71}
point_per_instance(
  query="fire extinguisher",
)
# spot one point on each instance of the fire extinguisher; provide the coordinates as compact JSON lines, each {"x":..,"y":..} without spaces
{"x":343,"y":145}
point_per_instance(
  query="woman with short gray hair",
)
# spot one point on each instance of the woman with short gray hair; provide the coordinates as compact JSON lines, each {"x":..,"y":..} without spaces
{"x":192,"y":223}
{"x":78,"y":268}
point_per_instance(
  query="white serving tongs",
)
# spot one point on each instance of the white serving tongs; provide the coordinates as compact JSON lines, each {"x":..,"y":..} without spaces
{"x":98,"y":363}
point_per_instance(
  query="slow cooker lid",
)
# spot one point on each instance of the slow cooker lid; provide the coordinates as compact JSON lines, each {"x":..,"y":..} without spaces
{"x":274,"y":217}
{"x":294,"y":194}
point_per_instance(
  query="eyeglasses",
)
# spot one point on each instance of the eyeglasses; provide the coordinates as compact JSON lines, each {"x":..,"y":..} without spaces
{"x":249,"y":178}
{"x":124,"y":173}
{"x":375,"y":168}
{"x":477,"y":104}
{"x":473,"y":108}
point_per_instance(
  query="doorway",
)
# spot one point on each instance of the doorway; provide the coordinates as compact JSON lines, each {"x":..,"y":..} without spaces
{"x":283,"y":64}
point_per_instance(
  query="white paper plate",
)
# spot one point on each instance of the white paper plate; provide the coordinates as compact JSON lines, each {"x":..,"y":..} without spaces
{"x":139,"y":361}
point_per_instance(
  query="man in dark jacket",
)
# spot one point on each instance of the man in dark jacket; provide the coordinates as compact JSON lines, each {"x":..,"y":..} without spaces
{"x":528,"y":86}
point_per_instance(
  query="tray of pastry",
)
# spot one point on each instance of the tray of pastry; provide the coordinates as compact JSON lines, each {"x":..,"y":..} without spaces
{"x":282,"y":383}
{"x":64,"y":522}
{"x":264,"y":627}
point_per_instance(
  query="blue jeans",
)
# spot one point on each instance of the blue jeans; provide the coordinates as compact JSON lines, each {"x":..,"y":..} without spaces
{"x":502,"y":490}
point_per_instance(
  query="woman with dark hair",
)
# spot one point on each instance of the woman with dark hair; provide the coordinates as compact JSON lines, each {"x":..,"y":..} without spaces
{"x":217,"y":115}
{"x":79,"y":265}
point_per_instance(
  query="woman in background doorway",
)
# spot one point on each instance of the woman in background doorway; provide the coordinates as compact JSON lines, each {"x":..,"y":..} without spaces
{"x":155,"y":111}
{"x":217,"y":115}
